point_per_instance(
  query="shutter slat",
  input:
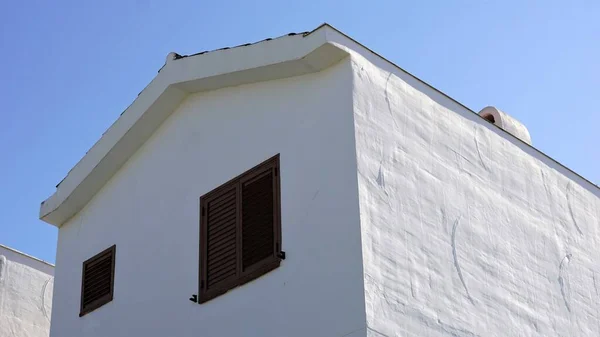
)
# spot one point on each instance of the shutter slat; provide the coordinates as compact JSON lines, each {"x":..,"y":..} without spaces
{"x":92,"y":296}
{"x":100,"y":262}
{"x":94,"y":289}
{"x":222,"y":241}
{"x":223,"y":277}
{"x":223,"y":216}
{"x":97,"y":292}
{"x":98,"y":269}
{"x":226,"y":197}
{"x":217,"y":260}
{"x":218,"y":256}
{"x":221,"y":213}
{"x":97,"y":259}
{"x":217,"y":251}
{"x":221,"y":269}
{"x":218,"y":240}
{"x":216,"y":222}
{"x":96,"y":283}
{"x":223,"y":229}
{"x":218,"y":227}
{"x":99,"y":284}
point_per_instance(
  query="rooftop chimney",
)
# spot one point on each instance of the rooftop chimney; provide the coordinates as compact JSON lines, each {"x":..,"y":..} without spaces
{"x":506,"y":123}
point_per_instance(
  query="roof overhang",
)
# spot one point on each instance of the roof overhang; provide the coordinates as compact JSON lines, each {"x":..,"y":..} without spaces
{"x":271,"y":59}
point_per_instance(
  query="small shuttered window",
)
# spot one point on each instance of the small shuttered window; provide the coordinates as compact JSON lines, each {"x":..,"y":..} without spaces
{"x":97,"y":283}
{"x":240,"y":230}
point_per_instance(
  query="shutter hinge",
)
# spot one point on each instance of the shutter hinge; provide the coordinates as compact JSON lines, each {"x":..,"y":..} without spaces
{"x":194,"y":298}
{"x":280,"y":254}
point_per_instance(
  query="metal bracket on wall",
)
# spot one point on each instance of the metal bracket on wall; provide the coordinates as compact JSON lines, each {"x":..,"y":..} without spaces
{"x":194,"y":298}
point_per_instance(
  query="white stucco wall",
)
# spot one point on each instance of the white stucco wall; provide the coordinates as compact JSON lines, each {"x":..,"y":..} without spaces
{"x":404,"y":214}
{"x":25,"y":295}
{"x":149,"y":209}
{"x":465,"y":230}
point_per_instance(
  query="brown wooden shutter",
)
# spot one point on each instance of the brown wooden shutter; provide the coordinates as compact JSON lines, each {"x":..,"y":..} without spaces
{"x":97,"y":283}
{"x":258,"y":218}
{"x":221,"y":238}
{"x":240,"y":229}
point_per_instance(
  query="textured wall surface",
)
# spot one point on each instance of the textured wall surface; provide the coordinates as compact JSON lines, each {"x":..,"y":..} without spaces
{"x":150,"y":210}
{"x":466,"y":231}
{"x":404,"y":214}
{"x":25,"y":295}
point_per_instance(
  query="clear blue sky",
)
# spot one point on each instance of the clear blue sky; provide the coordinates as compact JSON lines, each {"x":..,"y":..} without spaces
{"x":69,"y":68}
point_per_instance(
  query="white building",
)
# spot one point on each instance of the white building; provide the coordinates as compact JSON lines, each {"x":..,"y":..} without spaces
{"x":25,"y":294}
{"x":402,"y":212}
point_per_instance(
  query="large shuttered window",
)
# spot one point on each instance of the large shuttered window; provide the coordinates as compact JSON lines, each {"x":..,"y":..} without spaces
{"x":240,"y":230}
{"x":97,"y":284}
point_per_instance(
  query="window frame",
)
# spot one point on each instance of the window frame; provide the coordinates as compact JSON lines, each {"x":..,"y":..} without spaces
{"x":260,"y":268}
{"x":85,"y":309}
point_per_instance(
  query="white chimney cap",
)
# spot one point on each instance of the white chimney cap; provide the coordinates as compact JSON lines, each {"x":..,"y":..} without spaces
{"x":506,"y":122}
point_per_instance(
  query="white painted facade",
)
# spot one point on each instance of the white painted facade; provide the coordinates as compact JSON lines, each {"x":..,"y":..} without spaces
{"x":403,"y":212}
{"x":466,"y":230}
{"x":154,"y":219}
{"x":25,"y":294}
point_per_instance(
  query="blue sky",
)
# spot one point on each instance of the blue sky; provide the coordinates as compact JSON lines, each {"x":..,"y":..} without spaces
{"x":69,"y":68}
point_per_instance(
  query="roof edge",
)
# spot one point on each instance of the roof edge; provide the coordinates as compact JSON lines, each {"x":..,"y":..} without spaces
{"x":287,"y":56}
{"x":502,"y":131}
{"x":31,"y":257}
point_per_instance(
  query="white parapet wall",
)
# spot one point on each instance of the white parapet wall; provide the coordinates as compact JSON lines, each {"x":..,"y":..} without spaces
{"x":466,"y":230}
{"x":25,"y":294}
